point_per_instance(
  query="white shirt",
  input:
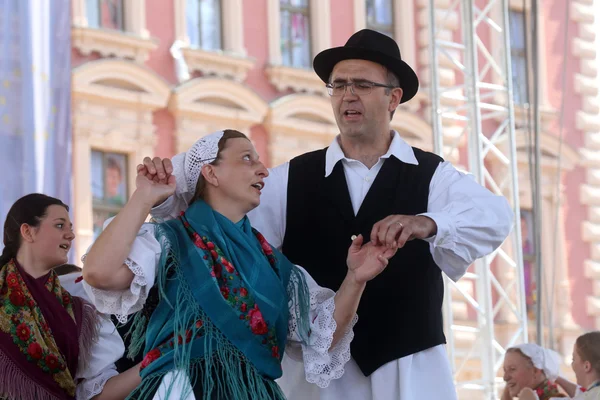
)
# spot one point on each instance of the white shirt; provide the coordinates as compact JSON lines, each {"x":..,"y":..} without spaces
{"x":106,"y":350}
{"x":471,"y":223}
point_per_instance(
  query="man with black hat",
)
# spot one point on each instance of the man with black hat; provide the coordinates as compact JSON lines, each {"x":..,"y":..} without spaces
{"x":370,"y":182}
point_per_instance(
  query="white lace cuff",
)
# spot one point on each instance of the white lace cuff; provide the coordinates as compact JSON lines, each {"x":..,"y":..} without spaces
{"x":322,"y":364}
{"x":122,"y":303}
{"x":88,"y":388}
{"x":142,"y":261}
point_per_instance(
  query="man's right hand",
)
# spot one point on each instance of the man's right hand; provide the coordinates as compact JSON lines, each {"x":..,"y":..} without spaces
{"x":157,"y":170}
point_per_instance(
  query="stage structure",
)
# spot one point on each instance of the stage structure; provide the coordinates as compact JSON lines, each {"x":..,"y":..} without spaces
{"x":472,"y":107}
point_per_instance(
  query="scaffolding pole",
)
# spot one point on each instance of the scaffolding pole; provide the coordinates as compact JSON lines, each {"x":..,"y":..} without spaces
{"x":478,"y":104}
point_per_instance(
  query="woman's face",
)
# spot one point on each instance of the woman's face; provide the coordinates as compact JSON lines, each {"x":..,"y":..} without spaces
{"x":578,"y":366}
{"x":519,"y":373}
{"x":51,"y":240}
{"x":240,"y":174}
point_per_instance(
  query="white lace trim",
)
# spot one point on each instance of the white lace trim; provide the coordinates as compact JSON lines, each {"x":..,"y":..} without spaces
{"x":321,"y":364}
{"x":122,"y":303}
{"x":88,"y":388}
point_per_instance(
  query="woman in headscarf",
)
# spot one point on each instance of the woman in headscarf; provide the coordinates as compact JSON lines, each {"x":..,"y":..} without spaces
{"x":53,"y":345}
{"x":529,"y":372}
{"x":229,"y":304}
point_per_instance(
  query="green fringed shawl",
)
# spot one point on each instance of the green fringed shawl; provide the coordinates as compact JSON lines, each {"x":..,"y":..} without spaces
{"x":224,"y":307}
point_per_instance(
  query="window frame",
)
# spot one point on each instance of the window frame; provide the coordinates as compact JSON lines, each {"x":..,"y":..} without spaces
{"x":123,"y":17}
{"x":379,"y":27}
{"x":306,"y":12}
{"x":200,"y":45}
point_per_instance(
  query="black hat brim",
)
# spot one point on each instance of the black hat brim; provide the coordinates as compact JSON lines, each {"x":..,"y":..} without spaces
{"x":327,"y":59}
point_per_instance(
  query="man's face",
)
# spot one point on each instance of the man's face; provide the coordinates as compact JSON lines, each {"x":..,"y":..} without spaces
{"x":364,"y":115}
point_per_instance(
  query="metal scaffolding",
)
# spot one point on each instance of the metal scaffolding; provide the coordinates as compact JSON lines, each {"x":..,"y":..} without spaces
{"x":476,"y":109}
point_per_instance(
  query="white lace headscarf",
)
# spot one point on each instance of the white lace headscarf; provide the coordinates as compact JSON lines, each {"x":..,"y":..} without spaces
{"x":187,"y":166}
{"x":545,"y":359}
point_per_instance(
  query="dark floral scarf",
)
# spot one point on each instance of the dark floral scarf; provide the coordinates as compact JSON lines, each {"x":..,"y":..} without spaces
{"x":40,"y":328}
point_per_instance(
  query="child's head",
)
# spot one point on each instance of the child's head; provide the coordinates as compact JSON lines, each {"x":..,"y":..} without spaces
{"x":586,"y":358}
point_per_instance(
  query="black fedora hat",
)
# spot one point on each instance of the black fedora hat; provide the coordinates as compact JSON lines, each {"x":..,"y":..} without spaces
{"x":373,"y":46}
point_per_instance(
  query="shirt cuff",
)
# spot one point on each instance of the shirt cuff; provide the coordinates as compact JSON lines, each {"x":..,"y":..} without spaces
{"x":161,"y":211}
{"x":446,"y":231}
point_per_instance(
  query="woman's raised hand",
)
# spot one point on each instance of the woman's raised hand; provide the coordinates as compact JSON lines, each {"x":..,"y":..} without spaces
{"x":154,"y":188}
{"x":367,"y":261}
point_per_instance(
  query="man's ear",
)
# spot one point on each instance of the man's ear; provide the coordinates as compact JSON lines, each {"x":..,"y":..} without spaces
{"x":209,"y":174}
{"x":395,"y":98}
{"x":27,"y":232}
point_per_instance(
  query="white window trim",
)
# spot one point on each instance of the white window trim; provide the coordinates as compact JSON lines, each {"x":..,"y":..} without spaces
{"x":290,"y":135}
{"x":133,"y":43}
{"x":232,"y":61}
{"x":195,"y":109}
{"x":111,"y":119}
{"x":298,"y":79}
{"x":404,"y":27}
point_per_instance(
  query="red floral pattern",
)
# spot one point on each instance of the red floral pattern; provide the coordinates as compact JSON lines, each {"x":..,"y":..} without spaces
{"x":17,"y":298}
{"x":23,"y":332}
{"x":151,"y":356}
{"x":21,"y":318}
{"x":157,"y":352}
{"x":35,"y":350}
{"x":227,"y":277}
{"x":548,"y":390}
{"x":257,"y":322}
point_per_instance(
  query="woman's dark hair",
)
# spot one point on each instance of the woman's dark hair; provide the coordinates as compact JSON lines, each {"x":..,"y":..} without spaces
{"x":227,"y":134}
{"x":30,"y":210}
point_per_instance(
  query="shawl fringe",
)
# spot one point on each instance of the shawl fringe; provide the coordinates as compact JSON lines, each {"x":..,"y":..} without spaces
{"x":15,"y":384}
{"x":225,"y":371}
{"x":89,"y":333}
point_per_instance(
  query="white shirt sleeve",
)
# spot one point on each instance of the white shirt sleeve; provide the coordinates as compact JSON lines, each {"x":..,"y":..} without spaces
{"x":143,"y":262}
{"x":107,"y":350}
{"x":101,"y":366}
{"x":321,"y":364}
{"x":269,"y":218}
{"x":172,"y":207}
{"x":471,"y":221}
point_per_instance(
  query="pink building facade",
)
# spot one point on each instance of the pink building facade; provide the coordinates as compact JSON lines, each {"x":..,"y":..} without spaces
{"x":150,"y":77}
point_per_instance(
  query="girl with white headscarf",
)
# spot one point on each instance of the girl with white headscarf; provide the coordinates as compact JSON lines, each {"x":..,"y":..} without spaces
{"x":529,"y":372}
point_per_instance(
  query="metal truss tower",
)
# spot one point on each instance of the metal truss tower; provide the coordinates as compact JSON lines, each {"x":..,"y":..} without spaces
{"x":476,"y":105}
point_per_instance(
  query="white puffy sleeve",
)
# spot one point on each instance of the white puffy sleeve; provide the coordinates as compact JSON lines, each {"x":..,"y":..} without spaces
{"x":143,"y":262}
{"x":105,"y":352}
{"x":100,"y":367}
{"x":321,"y":364}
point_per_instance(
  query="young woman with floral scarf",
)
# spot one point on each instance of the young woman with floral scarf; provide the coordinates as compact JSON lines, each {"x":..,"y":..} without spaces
{"x":52,"y":345}
{"x":229,"y":304}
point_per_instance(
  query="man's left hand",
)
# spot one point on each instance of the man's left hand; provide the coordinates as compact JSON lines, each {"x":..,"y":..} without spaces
{"x":395,"y":230}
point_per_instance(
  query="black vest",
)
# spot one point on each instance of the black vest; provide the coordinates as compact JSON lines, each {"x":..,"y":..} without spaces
{"x":400,"y":312}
